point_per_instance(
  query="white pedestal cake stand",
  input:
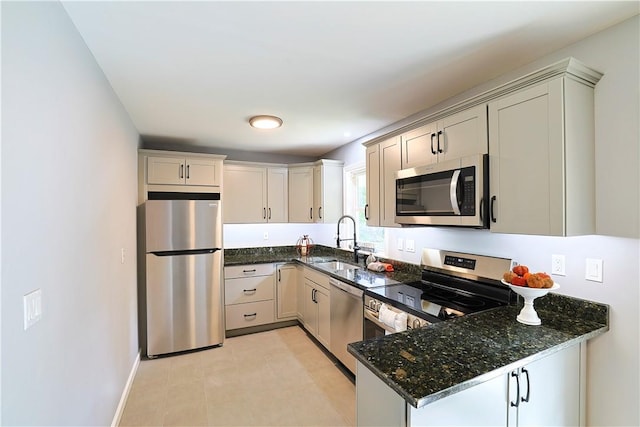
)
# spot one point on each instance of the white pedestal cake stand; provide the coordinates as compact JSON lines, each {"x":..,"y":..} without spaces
{"x":528,"y":314}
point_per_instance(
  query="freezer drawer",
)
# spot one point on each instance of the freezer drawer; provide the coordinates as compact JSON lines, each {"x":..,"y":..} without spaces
{"x":184,"y":302}
{"x":179,"y":225}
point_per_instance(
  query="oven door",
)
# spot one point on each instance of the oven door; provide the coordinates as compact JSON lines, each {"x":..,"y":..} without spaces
{"x":373,"y":328}
{"x":446,"y":193}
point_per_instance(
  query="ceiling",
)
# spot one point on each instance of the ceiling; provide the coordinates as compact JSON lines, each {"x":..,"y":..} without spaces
{"x":334,"y":71}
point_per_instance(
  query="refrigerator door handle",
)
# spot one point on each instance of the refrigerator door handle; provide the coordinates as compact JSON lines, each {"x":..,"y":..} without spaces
{"x":189,"y":252}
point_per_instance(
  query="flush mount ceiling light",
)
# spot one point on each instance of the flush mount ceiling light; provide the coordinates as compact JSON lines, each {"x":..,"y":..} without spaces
{"x":265,"y":122}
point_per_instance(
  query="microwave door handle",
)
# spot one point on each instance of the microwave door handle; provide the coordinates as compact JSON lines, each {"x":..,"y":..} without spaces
{"x":453,"y":192}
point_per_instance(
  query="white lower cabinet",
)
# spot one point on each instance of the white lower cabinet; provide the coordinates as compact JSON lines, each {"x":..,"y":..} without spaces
{"x":286,"y":292}
{"x":249,"y":295}
{"x":316,"y":306}
{"x":545,"y":392}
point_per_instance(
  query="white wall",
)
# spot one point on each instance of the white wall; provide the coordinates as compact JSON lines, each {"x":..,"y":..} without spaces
{"x":613,"y":359}
{"x":252,"y":235}
{"x":68,"y":207}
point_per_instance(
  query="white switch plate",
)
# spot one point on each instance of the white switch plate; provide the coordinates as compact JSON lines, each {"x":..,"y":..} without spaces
{"x":32,"y":308}
{"x":557,"y":265}
{"x":121,"y":255}
{"x":409,"y":245}
{"x":593,"y":270}
{"x":400,"y":244}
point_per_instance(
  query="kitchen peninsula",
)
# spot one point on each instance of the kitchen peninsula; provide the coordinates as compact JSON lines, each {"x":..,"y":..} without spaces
{"x":420,"y":377}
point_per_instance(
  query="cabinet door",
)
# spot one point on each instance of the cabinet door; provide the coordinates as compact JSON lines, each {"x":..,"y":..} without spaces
{"x":327,"y":193}
{"x":244,"y":193}
{"x":390,"y":163}
{"x":372,"y":208}
{"x":483,"y":406}
{"x":165,"y":170}
{"x":201,"y":171}
{"x":318,"y":196}
{"x":277,"y":195}
{"x":310,"y":308}
{"x":301,"y":194}
{"x":525,"y":142}
{"x":300,"y":294}
{"x":553,"y":387}
{"x":462,"y":134}
{"x":324,"y":316}
{"x":286,"y":291}
{"x":419,"y":146}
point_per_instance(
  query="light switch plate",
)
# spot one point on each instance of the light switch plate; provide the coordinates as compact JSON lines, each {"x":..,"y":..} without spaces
{"x":557,"y":265}
{"x":409,"y":245}
{"x":32,"y":308}
{"x":593,"y":270}
{"x":400,"y":244}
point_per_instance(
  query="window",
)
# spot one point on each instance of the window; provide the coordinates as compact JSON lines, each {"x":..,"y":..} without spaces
{"x":355,"y":200}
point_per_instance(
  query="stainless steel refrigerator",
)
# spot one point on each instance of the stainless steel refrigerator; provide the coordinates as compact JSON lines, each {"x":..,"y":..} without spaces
{"x":181,"y":294}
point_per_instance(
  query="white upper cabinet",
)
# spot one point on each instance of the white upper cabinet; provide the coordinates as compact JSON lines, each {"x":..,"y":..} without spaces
{"x":457,"y":135}
{"x":542,"y":161}
{"x":173,"y":171}
{"x":255,"y":194}
{"x":181,"y":170}
{"x":383,"y":160}
{"x":277,"y":194}
{"x":327,"y":191}
{"x":301,"y":194}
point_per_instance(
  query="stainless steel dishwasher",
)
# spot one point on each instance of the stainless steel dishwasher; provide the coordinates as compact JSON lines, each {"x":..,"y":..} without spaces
{"x":346,"y":320}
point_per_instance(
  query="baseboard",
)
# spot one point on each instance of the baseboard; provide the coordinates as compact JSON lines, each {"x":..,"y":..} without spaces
{"x":125,"y":392}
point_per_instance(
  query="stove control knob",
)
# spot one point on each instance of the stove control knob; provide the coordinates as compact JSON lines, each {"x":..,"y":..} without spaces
{"x":416,"y":324}
{"x":372,"y":305}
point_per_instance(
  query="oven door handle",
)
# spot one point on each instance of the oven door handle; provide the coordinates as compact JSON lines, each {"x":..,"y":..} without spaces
{"x":453,"y":192}
{"x":371,"y":317}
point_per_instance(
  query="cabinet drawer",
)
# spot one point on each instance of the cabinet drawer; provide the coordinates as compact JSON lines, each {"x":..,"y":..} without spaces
{"x":250,"y":270}
{"x":250,"y":314}
{"x":248,"y":289}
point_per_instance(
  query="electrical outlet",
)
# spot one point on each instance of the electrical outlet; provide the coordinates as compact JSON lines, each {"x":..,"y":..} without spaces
{"x":593,"y":270}
{"x":557,"y":265}
{"x":409,"y":245}
{"x":400,"y":244}
{"x":266,"y":236}
{"x":32,"y":308}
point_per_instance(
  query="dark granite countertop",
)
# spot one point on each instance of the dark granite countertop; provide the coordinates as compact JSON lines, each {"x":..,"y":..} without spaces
{"x":427,"y":364}
{"x":361,"y":278}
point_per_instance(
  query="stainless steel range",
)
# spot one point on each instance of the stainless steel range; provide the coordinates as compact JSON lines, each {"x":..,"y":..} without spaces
{"x":453,"y":284}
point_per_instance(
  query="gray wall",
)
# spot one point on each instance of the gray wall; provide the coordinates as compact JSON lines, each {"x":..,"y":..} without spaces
{"x":68,"y":207}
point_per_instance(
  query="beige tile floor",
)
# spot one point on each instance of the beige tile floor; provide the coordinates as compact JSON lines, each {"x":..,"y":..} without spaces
{"x":274,"y":378}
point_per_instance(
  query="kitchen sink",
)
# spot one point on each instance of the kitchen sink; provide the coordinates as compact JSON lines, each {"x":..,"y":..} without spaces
{"x":337,"y":266}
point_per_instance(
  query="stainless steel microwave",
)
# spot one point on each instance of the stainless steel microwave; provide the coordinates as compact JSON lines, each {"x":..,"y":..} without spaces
{"x":452,"y":192}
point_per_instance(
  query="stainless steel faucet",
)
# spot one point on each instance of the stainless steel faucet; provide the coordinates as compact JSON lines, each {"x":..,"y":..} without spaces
{"x":355,"y":243}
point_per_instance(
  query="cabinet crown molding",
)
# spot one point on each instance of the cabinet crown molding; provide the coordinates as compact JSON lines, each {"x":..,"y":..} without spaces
{"x":151,"y":152}
{"x":568,"y":67}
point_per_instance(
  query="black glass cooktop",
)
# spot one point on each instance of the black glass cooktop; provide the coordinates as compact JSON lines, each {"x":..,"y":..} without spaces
{"x":431,"y":301}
